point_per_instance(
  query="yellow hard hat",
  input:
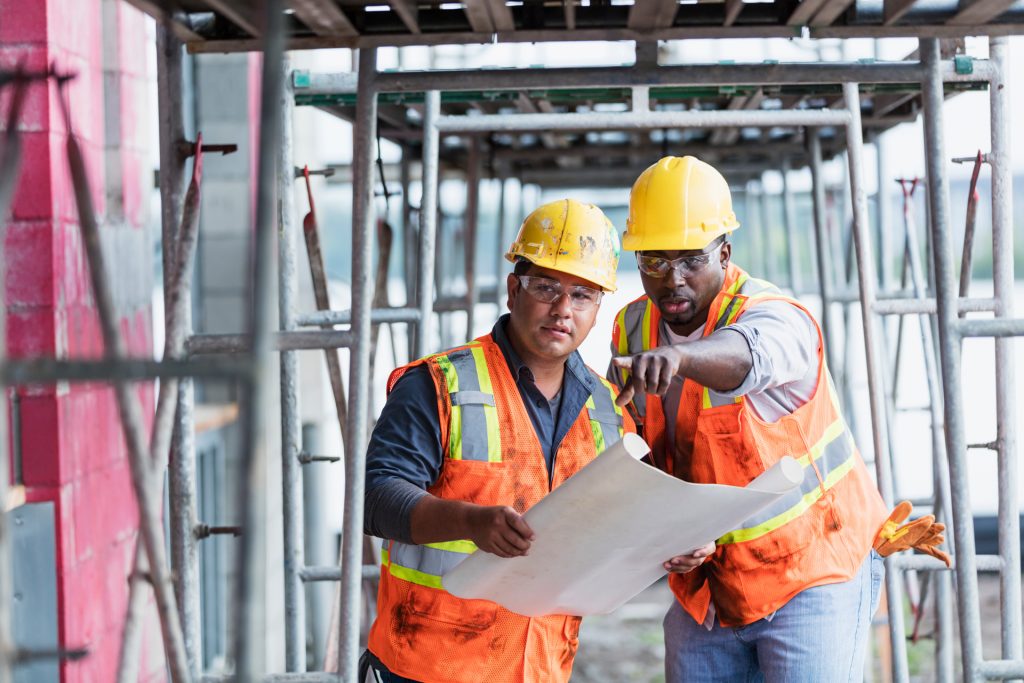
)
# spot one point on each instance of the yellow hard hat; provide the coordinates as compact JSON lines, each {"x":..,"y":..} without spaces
{"x":570,"y":237}
{"x":678,"y":203}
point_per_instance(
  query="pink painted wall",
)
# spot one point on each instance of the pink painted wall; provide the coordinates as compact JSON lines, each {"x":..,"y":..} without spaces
{"x":72,"y":447}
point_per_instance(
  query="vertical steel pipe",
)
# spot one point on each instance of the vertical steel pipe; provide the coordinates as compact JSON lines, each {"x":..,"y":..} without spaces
{"x":876,"y":385}
{"x":470,"y":225}
{"x":767,"y":252}
{"x":502,"y":244}
{"x":949,"y":354}
{"x":250,"y":611}
{"x":792,"y":234}
{"x":181,"y":474}
{"x":428,"y":221}
{"x":291,"y":428}
{"x":409,"y":248}
{"x":821,"y":248}
{"x":1006,"y":367}
{"x":364,"y":134}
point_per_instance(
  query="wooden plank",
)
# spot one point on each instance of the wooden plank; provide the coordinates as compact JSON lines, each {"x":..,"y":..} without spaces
{"x":323,"y":17}
{"x":732,"y":11}
{"x":980,"y":12}
{"x":154,"y":9}
{"x":489,"y":16}
{"x":830,"y":11}
{"x":803,"y":12}
{"x":895,"y":9}
{"x":569,"y":7}
{"x":237,"y":15}
{"x":645,"y":15}
{"x":408,"y":12}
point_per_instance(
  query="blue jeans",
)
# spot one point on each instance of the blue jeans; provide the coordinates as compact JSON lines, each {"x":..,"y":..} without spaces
{"x":819,"y":635}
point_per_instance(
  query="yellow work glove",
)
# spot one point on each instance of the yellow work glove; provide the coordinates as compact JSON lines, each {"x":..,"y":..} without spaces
{"x":924,"y":534}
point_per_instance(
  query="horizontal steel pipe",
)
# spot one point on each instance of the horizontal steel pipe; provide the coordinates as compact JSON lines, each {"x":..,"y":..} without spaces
{"x":801,"y":73}
{"x":1002,"y":669}
{"x":911,"y":306}
{"x":333,"y":573}
{"x":986,"y":563}
{"x":308,"y":677}
{"x":282,"y":341}
{"x":642,"y":120}
{"x":48,"y":370}
{"x":1001,"y":327}
{"x":377,"y":316}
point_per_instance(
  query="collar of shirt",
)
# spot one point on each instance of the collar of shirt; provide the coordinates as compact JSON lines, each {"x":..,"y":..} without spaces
{"x":520,"y":370}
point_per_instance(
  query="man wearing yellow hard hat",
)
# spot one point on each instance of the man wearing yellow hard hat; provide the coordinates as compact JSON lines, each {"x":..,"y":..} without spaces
{"x":469,"y":439}
{"x":724,"y":375}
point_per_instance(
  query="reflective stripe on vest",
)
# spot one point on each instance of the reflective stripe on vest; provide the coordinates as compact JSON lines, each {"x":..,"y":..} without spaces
{"x":605,"y":416}
{"x":637,"y":323}
{"x":831,"y":458}
{"x":472,"y":401}
{"x":424,"y":564}
{"x":474,"y":435}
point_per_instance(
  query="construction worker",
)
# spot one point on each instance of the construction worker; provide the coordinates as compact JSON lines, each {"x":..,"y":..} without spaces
{"x":724,"y":375}
{"x":471,"y":438}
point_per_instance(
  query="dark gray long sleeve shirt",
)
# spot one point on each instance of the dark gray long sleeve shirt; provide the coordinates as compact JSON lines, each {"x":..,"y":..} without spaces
{"x":405,"y":457}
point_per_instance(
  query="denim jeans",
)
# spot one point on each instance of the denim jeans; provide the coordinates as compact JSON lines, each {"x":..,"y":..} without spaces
{"x":820,"y":635}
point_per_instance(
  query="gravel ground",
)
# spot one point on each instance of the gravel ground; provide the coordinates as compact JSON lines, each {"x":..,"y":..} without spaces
{"x":627,"y":645}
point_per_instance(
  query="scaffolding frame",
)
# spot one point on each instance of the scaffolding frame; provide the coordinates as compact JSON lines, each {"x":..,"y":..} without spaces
{"x":250,"y":368}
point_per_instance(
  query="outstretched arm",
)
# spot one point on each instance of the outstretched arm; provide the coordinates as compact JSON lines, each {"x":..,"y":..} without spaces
{"x":719,"y":361}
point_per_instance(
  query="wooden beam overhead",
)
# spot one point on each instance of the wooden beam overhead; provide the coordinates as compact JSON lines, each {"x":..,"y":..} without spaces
{"x":569,"y":7}
{"x":895,"y":9}
{"x":645,"y":15}
{"x":979,"y":12}
{"x":408,"y":12}
{"x":323,"y":17}
{"x":489,"y":16}
{"x":237,"y":14}
{"x":801,"y":16}
{"x":732,"y":11}
{"x":830,"y":11}
{"x":154,"y":9}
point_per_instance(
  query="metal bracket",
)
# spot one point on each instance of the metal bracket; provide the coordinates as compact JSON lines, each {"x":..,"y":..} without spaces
{"x":306,"y":458}
{"x":963,"y":64}
{"x":990,"y":445}
{"x":205,"y":531}
{"x":187,"y":148}
{"x":325,"y":172}
{"x":971,"y":160}
{"x":22,"y":655}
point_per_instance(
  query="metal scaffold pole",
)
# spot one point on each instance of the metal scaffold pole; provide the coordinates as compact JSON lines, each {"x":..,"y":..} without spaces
{"x":428,"y":221}
{"x":291,"y":428}
{"x":949,"y":353}
{"x":1005,"y":363}
{"x":821,"y":247}
{"x":181,"y":464}
{"x":364,"y":134}
{"x":250,"y":613}
{"x":876,"y":385}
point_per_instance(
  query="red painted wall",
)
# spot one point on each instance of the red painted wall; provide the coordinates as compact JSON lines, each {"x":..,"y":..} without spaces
{"x":71,"y":442}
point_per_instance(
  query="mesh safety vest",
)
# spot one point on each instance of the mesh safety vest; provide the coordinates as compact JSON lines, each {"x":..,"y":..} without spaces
{"x":492,"y":457}
{"x":818,"y":534}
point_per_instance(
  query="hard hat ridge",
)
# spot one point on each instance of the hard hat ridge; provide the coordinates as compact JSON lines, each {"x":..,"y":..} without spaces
{"x":678,"y":203}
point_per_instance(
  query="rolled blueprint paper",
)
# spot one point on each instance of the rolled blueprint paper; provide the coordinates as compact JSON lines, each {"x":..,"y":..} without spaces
{"x":602,"y":536}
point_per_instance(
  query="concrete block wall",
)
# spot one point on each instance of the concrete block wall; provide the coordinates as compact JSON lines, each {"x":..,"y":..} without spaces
{"x":71,"y":444}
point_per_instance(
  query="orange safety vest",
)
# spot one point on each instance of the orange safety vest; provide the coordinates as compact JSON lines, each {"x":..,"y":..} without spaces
{"x":493,"y":457}
{"x":818,"y":534}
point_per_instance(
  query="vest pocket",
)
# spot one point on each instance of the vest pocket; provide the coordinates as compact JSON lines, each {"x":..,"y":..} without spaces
{"x":465,"y":615}
{"x":473,"y":481}
{"x":732,"y":461}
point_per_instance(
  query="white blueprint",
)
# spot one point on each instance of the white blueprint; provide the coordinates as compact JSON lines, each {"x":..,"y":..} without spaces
{"x":601,"y":537}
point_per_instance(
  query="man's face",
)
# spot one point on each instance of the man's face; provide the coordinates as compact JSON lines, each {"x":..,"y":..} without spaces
{"x":683,"y":294}
{"x":549,"y":331}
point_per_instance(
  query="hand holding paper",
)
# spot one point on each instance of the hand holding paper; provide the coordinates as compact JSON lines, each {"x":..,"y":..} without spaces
{"x":605,"y":534}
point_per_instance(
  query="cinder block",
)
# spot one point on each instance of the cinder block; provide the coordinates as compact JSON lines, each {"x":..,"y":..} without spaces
{"x":33,"y":197}
{"x":223,"y":314}
{"x":224,"y":265}
{"x":222,"y":82}
{"x":35,"y":107}
{"x":40,"y":453}
{"x":28,"y":251}
{"x":30,"y":331}
{"x":24,"y":22}
{"x":226,"y":207}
